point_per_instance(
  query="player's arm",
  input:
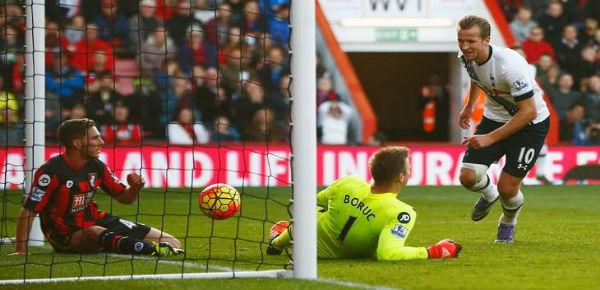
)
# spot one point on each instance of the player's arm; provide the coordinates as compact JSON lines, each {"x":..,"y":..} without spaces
{"x":467,"y":111}
{"x":392,"y":238}
{"x":24,"y":221}
{"x":115,"y":188}
{"x":44,"y":184}
{"x":130,"y":194}
{"x":526,"y":114}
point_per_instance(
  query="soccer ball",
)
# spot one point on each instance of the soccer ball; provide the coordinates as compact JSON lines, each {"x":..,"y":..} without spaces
{"x":219,"y":201}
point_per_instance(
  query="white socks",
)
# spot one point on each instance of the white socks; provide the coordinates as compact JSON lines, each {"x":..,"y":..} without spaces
{"x":488,"y":190}
{"x":541,"y":162}
{"x":511,"y":208}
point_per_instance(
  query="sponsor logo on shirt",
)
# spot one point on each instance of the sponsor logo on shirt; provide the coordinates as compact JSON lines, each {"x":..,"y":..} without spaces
{"x":404,"y":217}
{"x":81,"y":201}
{"x":78,"y":202}
{"x":399,"y":231}
{"x":44,"y":180}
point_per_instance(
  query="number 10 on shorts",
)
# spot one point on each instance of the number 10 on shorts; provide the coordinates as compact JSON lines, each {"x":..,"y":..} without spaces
{"x":525,"y":156}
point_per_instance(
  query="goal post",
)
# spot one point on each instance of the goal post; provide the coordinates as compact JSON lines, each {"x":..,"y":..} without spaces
{"x":304,"y":139}
{"x":35,"y":137}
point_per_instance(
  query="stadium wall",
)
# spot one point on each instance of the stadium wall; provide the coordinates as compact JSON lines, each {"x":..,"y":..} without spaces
{"x":254,"y":166}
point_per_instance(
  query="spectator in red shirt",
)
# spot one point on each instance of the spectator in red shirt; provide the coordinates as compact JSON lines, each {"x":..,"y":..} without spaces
{"x":535,"y":46}
{"x":88,"y":46}
{"x":121,"y":131}
{"x":75,"y":31}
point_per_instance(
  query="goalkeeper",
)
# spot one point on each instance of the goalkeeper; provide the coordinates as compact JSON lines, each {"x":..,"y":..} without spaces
{"x":62,"y":193}
{"x":359,"y":220}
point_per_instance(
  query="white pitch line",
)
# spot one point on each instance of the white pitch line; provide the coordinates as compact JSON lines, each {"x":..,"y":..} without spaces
{"x":229,"y":269}
{"x":176,"y":263}
{"x":355,"y":284}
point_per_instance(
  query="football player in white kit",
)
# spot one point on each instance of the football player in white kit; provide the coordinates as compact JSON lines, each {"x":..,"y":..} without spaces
{"x":515,"y":123}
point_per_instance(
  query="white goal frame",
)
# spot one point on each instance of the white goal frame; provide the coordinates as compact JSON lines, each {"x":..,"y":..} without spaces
{"x":304,"y":148}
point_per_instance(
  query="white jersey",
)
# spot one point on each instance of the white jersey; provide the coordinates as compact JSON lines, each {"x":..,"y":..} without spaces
{"x":506,"y":78}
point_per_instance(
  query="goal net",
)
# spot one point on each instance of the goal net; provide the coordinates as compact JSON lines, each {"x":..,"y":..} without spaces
{"x":184,"y":93}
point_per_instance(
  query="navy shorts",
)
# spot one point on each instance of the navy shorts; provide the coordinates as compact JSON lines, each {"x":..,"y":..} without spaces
{"x":61,"y":242}
{"x":521,"y":148}
{"x":124,"y":227}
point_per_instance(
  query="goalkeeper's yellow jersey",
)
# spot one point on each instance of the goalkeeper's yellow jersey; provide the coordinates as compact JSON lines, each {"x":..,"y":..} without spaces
{"x":355,"y":223}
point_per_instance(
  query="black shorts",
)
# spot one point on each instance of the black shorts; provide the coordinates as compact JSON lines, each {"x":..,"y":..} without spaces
{"x":521,"y":148}
{"x":60,"y":242}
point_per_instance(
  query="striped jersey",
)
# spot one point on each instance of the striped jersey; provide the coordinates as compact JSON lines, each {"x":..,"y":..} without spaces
{"x":63,"y":194}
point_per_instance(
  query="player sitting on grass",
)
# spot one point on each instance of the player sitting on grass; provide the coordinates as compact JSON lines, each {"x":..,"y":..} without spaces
{"x":62,"y":193}
{"x":360,"y":220}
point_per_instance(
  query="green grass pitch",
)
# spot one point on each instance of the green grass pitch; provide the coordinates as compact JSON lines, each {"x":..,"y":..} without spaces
{"x":557,"y":244}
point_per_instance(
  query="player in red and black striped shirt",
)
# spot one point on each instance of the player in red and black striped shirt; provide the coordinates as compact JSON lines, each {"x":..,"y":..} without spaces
{"x":62,"y":193}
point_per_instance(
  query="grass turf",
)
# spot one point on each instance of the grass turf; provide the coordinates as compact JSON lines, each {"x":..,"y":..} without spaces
{"x":556,"y":244}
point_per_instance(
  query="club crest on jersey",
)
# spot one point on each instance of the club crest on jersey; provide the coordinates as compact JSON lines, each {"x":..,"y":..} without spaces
{"x":92,"y":179}
{"x":399,"y":231}
{"x":520,"y":84}
{"x":493,"y":80}
{"x":44,"y":180}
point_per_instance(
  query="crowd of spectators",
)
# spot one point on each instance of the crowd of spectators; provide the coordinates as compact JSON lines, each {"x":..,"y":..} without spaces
{"x":186,"y":71}
{"x":149,"y":69}
{"x":562,"y":39}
